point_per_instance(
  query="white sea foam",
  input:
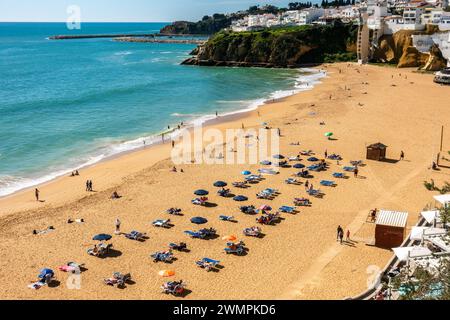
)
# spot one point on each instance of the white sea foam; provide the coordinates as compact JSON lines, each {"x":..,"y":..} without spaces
{"x":109,"y":148}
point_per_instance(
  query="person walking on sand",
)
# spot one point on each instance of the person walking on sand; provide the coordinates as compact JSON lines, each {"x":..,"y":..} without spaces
{"x":356,"y":171}
{"x":339,"y":231}
{"x":90,"y":186}
{"x":36,"y":194}
{"x":173,"y":144}
{"x":402,"y":155}
{"x":348,"y":236}
{"x":341,"y":236}
{"x":117,"y":226}
{"x":326,"y":154}
{"x":87,"y":185}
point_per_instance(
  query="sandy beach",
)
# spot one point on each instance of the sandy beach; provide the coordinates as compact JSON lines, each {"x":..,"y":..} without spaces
{"x":298,"y":258}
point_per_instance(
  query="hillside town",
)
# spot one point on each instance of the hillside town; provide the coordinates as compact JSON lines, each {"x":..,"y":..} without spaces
{"x":374,"y":17}
{"x":391,"y":15}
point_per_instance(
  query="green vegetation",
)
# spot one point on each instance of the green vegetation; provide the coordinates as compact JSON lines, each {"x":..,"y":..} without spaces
{"x":430,"y":186}
{"x":287,"y":46}
{"x":424,"y":285}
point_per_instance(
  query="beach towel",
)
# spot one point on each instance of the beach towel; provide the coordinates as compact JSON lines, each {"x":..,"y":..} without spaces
{"x":36,"y":285}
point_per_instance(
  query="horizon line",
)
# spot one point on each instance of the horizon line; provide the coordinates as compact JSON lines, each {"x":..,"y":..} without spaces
{"x":89,"y":21}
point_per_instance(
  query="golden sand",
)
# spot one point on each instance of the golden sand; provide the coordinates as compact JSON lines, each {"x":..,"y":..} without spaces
{"x":298,"y":258}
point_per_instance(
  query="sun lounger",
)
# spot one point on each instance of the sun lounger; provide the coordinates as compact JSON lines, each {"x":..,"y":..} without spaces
{"x":291,"y":181}
{"x":224,"y":193}
{"x":201,"y":234}
{"x":356,"y":163}
{"x":178,"y":246}
{"x":268,"y":219}
{"x":339,"y":175}
{"x":349,"y":169}
{"x":174,"y":211}
{"x":252,"y":232}
{"x":162,"y":256}
{"x":334,"y":157}
{"x":240,"y":184}
{"x":248,"y":209}
{"x":118,"y":279}
{"x":226,"y":218}
{"x":327,"y":183}
{"x":287,"y":209}
{"x":207,"y":264}
{"x":161,"y":223}
{"x":315,"y":193}
{"x":268,"y":171}
{"x":235,"y":248}
{"x":135,"y":235}
{"x":302,"y":202}
{"x":36,"y":285}
{"x":200,"y":201}
{"x":101,"y":250}
{"x":175,"y":288}
{"x":296,"y":158}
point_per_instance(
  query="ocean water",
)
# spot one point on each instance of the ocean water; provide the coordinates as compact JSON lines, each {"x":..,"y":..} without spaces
{"x":70,"y":103}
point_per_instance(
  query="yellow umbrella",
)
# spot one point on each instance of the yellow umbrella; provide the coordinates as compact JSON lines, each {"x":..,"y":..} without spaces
{"x":166,"y":273}
{"x":229,"y":238}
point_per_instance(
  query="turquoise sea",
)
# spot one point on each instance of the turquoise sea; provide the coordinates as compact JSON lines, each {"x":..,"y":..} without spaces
{"x":70,"y":103}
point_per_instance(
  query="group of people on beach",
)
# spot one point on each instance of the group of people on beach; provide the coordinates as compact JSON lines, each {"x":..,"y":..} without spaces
{"x":340,"y":235}
{"x":89,"y":186}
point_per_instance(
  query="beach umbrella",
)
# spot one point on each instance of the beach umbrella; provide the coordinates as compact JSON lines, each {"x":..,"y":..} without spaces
{"x":313,"y":159}
{"x":201,"y":193}
{"x":329,"y":134}
{"x":246,"y":173}
{"x":102,"y":237}
{"x":240,"y":198}
{"x":265,"y":208}
{"x":279,"y":156}
{"x":266,"y":163}
{"x":166,"y":273}
{"x":199,"y":220}
{"x":299,"y":166}
{"x":229,"y":238}
{"x":220,"y":184}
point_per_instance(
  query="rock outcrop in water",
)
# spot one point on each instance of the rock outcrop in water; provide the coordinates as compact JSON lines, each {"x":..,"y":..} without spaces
{"x":284,"y":47}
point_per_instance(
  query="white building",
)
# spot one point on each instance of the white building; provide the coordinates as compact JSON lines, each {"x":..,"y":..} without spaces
{"x":444,"y":24}
{"x":431,"y":16}
{"x":309,"y":15}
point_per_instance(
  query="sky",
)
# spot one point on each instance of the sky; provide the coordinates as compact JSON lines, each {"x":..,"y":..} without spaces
{"x":122,"y":10}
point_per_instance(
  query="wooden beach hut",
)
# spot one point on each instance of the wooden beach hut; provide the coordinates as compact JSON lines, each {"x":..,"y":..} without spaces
{"x":390,"y":228}
{"x":376,"y":151}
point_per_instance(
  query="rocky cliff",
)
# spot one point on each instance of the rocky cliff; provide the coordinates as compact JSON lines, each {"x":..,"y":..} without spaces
{"x":398,"y":49}
{"x":284,"y":47}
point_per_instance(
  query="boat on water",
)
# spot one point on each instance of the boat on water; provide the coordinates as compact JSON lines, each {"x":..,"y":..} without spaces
{"x":443,"y":76}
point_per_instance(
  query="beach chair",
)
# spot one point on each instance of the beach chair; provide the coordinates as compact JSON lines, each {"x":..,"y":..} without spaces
{"x":291,"y":181}
{"x":162,"y":223}
{"x":271,"y":172}
{"x":175,"y":288}
{"x":267,"y":219}
{"x":101,"y":250}
{"x":118,"y":279}
{"x":302,"y":202}
{"x":296,"y":158}
{"x":178,"y":246}
{"x":235,"y":248}
{"x":207,"y":233}
{"x":224,"y":193}
{"x":327,"y":183}
{"x":287,"y":209}
{"x":200,"y":201}
{"x":174,"y":211}
{"x":349,"y":169}
{"x":356,"y":163}
{"x":252,"y":232}
{"x":241,"y":185}
{"x":315,"y":193}
{"x":264,"y":195}
{"x":302,"y":174}
{"x":248,"y":209}
{"x":307,"y":153}
{"x":339,"y":175}
{"x":227,"y":218}
{"x":207,"y":264}
{"x":334,"y":157}
{"x":193,"y":234}
{"x":162,"y":256}
{"x":135,"y":235}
